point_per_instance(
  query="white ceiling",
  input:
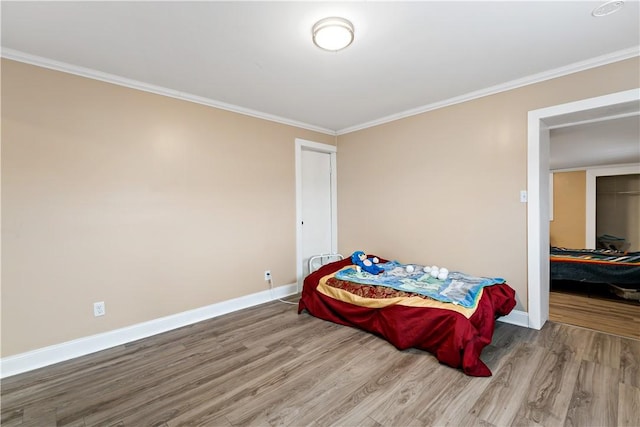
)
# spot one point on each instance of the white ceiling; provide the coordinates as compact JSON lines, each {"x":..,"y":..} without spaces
{"x":258,"y":58}
{"x":607,"y":142}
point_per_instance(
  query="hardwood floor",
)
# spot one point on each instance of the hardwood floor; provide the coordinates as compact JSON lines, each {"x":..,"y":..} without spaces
{"x":268,"y":365}
{"x":613,"y":317}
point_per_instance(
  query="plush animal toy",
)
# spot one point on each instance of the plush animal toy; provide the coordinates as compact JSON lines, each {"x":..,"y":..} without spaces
{"x":437,"y":273}
{"x":367,"y":264}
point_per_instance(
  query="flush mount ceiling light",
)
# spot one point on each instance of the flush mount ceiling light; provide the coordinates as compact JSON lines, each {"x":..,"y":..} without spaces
{"x":607,"y":8}
{"x":332,"y":33}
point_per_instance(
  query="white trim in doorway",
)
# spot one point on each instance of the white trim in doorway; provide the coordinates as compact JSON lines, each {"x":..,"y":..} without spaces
{"x":300,"y":145}
{"x":539,"y":123}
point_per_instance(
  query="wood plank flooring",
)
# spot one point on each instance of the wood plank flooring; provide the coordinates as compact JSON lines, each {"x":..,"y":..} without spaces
{"x":267,"y":365}
{"x":613,"y":317}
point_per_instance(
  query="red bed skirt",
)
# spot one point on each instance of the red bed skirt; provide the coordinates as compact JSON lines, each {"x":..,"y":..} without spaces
{"x":455,"y":340}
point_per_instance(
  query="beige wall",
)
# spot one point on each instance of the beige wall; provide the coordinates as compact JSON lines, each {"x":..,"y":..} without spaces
{"x":157,"y":206}
{"x":567,"y":229}
{"x":443,"y":187}
{"x":151,"y":204}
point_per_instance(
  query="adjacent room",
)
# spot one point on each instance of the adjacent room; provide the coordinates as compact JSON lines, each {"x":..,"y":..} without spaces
{"x":186,"y":185}
{"x":595,"y":214}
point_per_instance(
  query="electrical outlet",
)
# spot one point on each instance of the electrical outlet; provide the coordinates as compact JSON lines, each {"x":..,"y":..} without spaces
{"x":99,"y":309}
{"x":267,"y":275}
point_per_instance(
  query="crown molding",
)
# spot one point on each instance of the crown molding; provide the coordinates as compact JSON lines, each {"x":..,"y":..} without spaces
{"x":39,"y":61}
{"x":503,"y":87}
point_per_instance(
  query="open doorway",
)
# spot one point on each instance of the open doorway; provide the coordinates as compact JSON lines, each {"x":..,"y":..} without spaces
{"x":613,"y":205}
{"x":540,"y":122}
{"x":596,"y":286}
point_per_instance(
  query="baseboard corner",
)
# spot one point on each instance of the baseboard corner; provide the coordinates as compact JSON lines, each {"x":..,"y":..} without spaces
{"x":516,"y":317}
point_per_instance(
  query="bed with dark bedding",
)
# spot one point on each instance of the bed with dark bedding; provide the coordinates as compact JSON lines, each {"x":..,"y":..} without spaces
{"x":595,"y":266}
{"x":455,"y":333}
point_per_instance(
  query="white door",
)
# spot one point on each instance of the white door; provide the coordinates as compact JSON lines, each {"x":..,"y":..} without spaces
{"x":316,"y":203}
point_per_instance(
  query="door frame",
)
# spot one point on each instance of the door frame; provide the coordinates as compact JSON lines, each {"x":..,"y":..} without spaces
{"x":539,"y":123}
{"x":300,"y":145}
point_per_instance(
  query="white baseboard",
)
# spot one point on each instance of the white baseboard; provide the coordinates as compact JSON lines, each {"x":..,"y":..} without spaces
{"x":46,"y":356}
{"x":516,"y":317}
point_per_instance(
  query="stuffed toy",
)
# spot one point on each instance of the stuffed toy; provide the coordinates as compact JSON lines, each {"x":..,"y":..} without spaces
{"x":437,"y":273}
{"x":360,"y":260}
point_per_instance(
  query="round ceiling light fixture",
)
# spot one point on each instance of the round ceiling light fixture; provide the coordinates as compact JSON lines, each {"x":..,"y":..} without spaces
{"x":608,"y":8}
{"x":332,"y":34}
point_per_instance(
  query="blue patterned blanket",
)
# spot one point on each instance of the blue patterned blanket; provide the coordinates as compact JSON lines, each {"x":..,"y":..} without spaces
{"x":457,"y":288}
